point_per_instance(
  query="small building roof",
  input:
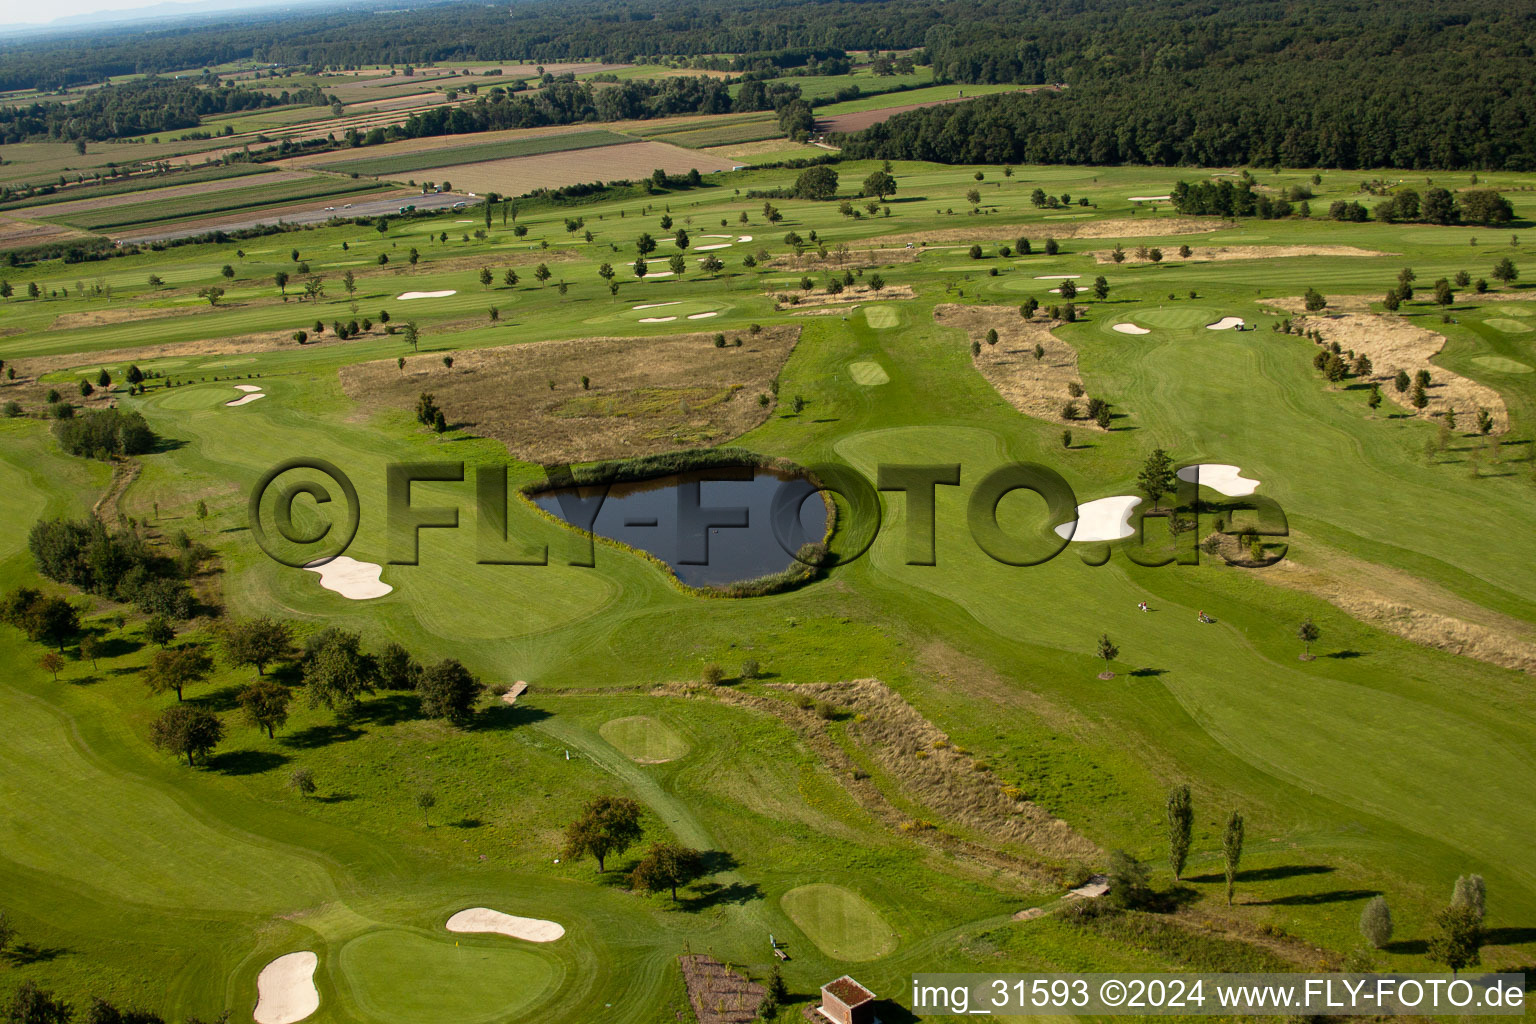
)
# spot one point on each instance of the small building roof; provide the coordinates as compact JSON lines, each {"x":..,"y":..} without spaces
{"x":849,"y":991}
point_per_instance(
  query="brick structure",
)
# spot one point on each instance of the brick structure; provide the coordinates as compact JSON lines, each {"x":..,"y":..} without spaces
{"x":845,"y":1001}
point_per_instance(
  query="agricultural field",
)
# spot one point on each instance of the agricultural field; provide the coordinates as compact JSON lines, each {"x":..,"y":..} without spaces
{"x":899,"y":763}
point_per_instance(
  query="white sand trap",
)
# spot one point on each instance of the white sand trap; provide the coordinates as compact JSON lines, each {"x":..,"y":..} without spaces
{"x":515,"y":691}
{"x":245,"y":399}
{"x":1228,"y":480}
{"x":1130,"y":329}
{"x":248,"y":388}
{"x":285,"y":989}
{"x":701,"y":316}
{"x":657,"y":305}
{"x":1226,"y":323}
{"x":657,"y":319}
{"x":425,"y":295}
{"x":744,"y":238}
{"x":1149,"y":199}
{"x":357,"y":581}
{"x":654,"y":274}
{"x":1102,"y":519}
{"x":1057,"y":277}
{"x":479,"y":919}
{"x":708,"y":248}
{"x":714,"y":236}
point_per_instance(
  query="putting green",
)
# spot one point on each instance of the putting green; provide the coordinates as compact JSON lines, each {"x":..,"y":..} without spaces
{"x":869,"y":374}
{"x":221,"y":363}
{"x":1518,"y":310}
{"x":1501,"y":364}
{"x":841,"y":923}
{"x":186,"y":399}
{"x":881,"y":317}
{"x":644,"y":739}
{"x":402,"y":977}
{"x":1508,"y":326}
{"x":1176,"y":316}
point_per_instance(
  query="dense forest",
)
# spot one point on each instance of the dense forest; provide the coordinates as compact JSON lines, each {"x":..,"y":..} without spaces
{"x":134,"y":108}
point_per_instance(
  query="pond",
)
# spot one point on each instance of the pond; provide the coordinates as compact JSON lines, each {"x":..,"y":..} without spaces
{"x":711,"y":526}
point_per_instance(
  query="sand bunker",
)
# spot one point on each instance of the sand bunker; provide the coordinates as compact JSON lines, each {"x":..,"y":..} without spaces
{"x":1103,"y":519}
{"x":357,"y":581}
{"x":245,"y":399}
{"x":710,"y":248}
{"x":480,"y":919}
{"x":1226,"y":323}
{"x":425,"y":295}
{"x":714,"y":236}
{"x":744,"y":238}
{"x":1148,"y":199}
{"x":1220,"y":477}
{"x":657,"y":305}
{"x":1130,"y":329}
{"x":248,"y":388}
{"x":657,"y":319}
{"x":1057,"y":277}
{"x":652,"y":275}
{"x":285,"y":989}
{"x":701,"y":316}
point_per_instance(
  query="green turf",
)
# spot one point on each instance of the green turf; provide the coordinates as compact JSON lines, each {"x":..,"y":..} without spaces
{"x":1502,"y":364}
{"x":449,"y":155}
{"x":403,"y":977}
{"x":644,"y":739}
{"x":841,"y":922}
{"x":1507,"y":325}
{"x":868,"y":373}
{"x":882,"y":317}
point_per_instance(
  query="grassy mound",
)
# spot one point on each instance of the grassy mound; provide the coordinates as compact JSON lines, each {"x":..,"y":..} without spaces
{"x":882,"y":317}
{"x":841,"y":923}
{"x":870,"y":374}
{"x":400,"y":977}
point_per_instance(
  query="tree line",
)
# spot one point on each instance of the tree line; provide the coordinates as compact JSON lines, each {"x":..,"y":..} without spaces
{"x":132,"y":108}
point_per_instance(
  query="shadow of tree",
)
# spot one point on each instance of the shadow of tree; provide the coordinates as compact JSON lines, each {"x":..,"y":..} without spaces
{"x":23,"y":954}
{"x":246,"y":762}
{"x":1509,"y":936}
{"x":509,"y":716}
{"x":1413,"y":947}
{"x":1267,"y":874}
{"x":390,"y":709}
{"x":713,"y":894}
{"x":1310,"y":899}
{"x":314,"y":736}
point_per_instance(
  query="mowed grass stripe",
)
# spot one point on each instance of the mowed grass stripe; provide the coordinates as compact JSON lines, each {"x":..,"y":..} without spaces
{"x":644,"y":739}
{"x":451,"y":155}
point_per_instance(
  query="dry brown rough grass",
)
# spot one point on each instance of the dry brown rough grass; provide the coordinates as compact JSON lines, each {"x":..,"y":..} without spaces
{"x":1220,"y":253}
{"x":647,"y":395}
{"x":1035,"y":387}
{"x":519,"y":174}
{"x":1393,"y":344}
{"x":930,"y":769}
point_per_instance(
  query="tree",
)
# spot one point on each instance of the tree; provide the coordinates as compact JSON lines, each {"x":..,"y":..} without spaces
{"x":337,"y":672}
{"x":1401,"y":381}
{"x":1484,"y":421}
{"x":1376,"y":922}
{"x":818,"y":182}
{"x":314,"y":288}
{"x":667,"y":865}
{"x":265,"y":704}
{"x":90,"y":649}
{"x":1374,"y":398}
{"x":1130,"y":884}
{"x":677,"y":264}
{"x":1068,"y":290}
{"x":32,"y":1005}
{"x":158,"y":631}
{"x":52,"y":663}
{"x":257,"y":642}
{"x":1419,"y":398}
{"x":542,"y":273}
{"x":973,"y":196}
{"x":397,"y":669}
{"x":639,"y":267}
{"x":509,"y":277}
{"x":426,"y":800}
{"x":303,"y":781}
{"x":486,"y":277}
{"x":711,"y":265}
{"x":187,"y":731}
{"x":213,"y":293}
{"x":1314,"y":300}
{"x":1458,"y":938}
{"x":1308,"y":634}
{"x":681,"y":239}
{"x":1443,"y":294}
{"x":1100,"y":288}
{"x":51,"y":620}
{"x":227,"y":270}
{"x":1109,"y":652}
{"x":608,"y":825}
{"x":412,"y":334}
{"x":645,"y":244}
{"x":1505,"y":272}
{"x":175,"y":669}
{"x":1232,"y":850}
{"x":1471,"y":892}
{"x":448,"y":691}
{"x":1051,"y":247}
{"x":1156,"y":477}
{"x":879,"y":184}
{"x":1181,"y":820}
{"x":605,"y":271}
